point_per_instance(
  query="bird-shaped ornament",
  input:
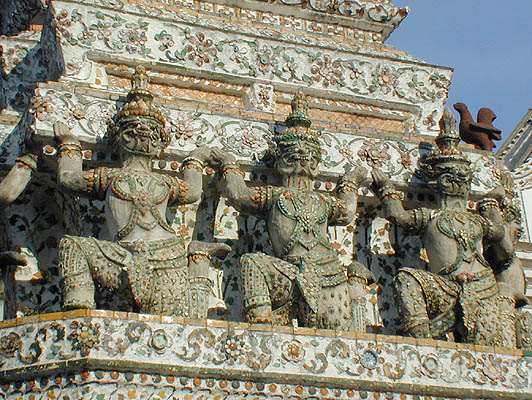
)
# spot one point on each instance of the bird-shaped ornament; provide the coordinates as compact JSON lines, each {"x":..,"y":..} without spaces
{"x":482,"y":133}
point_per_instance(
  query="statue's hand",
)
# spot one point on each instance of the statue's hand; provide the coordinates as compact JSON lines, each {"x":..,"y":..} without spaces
{"x":202,"y":153}
{"x":357,"y":175}
{"x":380,"y":179}
{"x":29,"y":159}
{"x":497,"y":193}
{"x":12,"y":258}
{"x":63,"y":135}
{"x":221,"y":158}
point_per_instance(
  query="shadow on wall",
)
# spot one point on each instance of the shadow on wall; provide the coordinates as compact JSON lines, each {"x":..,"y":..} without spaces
{"x":18,"y":15}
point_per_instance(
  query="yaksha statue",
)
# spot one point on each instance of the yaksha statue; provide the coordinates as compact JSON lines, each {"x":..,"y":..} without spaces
{"x":305,"y":279}
{"x":509,"y":271}
{"x":147,"y":260}
{"x":459,"y":295}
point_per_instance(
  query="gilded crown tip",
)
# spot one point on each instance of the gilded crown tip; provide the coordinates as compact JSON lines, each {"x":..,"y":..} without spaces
{"x":139,"y":99}
{"x":447,"y":152}
{"x":299,"y":115}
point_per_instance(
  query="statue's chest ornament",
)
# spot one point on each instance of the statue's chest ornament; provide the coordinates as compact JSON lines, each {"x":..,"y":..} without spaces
{"x":310,"y":211}
{"x":467,"y":236}
{"x":145,"y":192}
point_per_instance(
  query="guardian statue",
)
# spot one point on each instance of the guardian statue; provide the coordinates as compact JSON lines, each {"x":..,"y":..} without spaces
{"x":459,"y":295}
{"x":304,"y":280}
{"x":146,"y":261}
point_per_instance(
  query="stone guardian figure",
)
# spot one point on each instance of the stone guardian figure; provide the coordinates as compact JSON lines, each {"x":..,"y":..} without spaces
{"x":304,"y":280}
{"x":509,"y":272}
{"x":459,"y":294}
{"x":147,"y":260}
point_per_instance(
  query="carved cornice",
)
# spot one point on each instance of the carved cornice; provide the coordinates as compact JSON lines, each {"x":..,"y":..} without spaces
{"x":373,"y":19}
{"x":516,"y":150}
{"x":225,"y":51}
{"x":104,"y":340}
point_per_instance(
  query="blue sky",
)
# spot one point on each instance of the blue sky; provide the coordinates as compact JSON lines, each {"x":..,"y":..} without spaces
{"x":487,"y":42}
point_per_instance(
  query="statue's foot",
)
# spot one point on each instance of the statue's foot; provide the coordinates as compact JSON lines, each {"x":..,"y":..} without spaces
{"x":71,"y":307}
{"x":220,"y":250}
{"x":419,"y":330}
{"x":359,"y":270}
{"x":507,"y":290}
{"x":78,"y":299}
{"x":521,"y":300}
{"x":260,"y":315}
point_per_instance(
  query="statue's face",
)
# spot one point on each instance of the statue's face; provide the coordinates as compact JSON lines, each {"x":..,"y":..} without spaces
{"x":141,"y":137}
{"x":299,"y":158}
{"x":455,"y":182}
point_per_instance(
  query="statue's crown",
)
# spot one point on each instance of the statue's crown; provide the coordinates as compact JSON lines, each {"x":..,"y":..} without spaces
{"x":298,"y":123}
{"x":447,"y":156}
{"x":139,"y":100}
{"x":139,"y":118}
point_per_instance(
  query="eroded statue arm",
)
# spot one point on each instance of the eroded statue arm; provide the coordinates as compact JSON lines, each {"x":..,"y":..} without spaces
{"x":10,"y":188}
{"x":69,"y":160}
{"x":189,"y":189}
{"x":393,"y":205}
{"x":17,"y":179}
{"x":248,"y":200}
{"x":344,"y":211}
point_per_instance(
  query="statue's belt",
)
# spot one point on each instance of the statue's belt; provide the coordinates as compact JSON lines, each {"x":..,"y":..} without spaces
{"x":145,"y":259}
{"x":153,"y":250}
{"x":482,"y":283}
{"x":328,"y":268}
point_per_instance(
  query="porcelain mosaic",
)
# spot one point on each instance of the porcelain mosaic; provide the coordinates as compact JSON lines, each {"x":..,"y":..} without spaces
{"x":364,"y":27}
{"x":224,"y":75}
{"x":367,"y":362}
{"x":22,"y":61}
{"x":219,"y":51}
{"x":116,"y":385}
{"x":87,"y":114}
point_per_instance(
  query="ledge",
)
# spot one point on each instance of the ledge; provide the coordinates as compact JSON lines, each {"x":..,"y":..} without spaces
{"x":88,"y":341}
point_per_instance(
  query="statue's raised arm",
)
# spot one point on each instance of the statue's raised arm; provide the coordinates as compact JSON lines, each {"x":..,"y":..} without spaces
{"x":11,"y":188}
{"x":247,"y":200}
{"x":391,"y":199}
{"x":347,"y":196}
{"x":69,"y":160}
{"x":17,"y":179}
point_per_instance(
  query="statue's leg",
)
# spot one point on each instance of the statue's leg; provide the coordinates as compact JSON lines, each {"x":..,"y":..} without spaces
{"x":524,"y":330}
{"x":359,"y":277}
{"x":410,"y":301}
{"x":78,"y":285}
{"x":512,"y":282}
{"x":426,"y":303}
{"x":200,"y":285}
{"x":169,"y":295}
{"x":264,"y":288}
{"x":334,"y":310}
